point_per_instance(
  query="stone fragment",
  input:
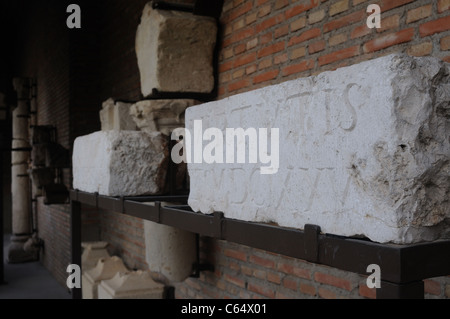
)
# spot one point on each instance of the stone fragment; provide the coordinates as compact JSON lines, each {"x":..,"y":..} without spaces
{"x":21,"y":221}
{"x":132,"y":285}
{"x":106,"y":268}
{"x":175,"y":51}
{"x":120,"y":163}
{"x":363,"y":151}
{"x":93,"y":251}
{"x":116,"y":116}
{"x":160,"y":115}
{"x":170,"y":252}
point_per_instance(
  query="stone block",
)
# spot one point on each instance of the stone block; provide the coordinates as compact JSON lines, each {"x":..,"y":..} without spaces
{"x":175,"y":51}
{"x":160,"y":115}
{"x":362,"y":151}
{"x":120,"y":163}
{"x":132,"y":285}
{"x":106,"y":268}
{"x":92,"y":253}
{"x":169,"y":252}
{"x":20,"y":157}
{"x":116,"y":116}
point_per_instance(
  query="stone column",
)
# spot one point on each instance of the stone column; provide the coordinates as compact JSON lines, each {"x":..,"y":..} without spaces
{"x":20,"y":187}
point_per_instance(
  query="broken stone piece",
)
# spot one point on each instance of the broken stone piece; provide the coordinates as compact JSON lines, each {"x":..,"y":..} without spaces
{"x":120,"y":163}
{"x":106,"y":268}
{"x":93,"y":251}
{"x":170,"y":252}
{"x":175,"y":51}
{"x":116,"y":116}
{"x":160,"y":115}
{"x":363,"y":151}
{"x":132,"y":285}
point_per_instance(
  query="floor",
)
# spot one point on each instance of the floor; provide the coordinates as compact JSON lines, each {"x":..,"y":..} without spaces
{"x":29,"y":281}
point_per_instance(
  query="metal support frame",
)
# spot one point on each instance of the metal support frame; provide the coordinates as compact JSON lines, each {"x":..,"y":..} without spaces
{"x":403,"y":267}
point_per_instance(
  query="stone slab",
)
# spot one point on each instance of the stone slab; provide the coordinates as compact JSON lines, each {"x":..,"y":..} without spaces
{"x":132,"y":285}
{"x":106,"y":268}
{"x":160,"y":115}
{"x":175,"y":51}
{"x":169,"y":252}
{"x":120,"y":163}
{"x":116,"y":116}
{"x":363,"y":151}
{"x":92,"y":253}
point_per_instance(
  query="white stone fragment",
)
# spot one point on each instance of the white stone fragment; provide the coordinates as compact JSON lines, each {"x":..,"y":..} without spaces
{"x":120,"y":163}
{"x":175,"y":51}
{"x":132,"y":285}
{"x":160,"y":115}
{"x":169,"y":252}
{"x":106,"y":268}
{"x":363,"y":151}
{"x":116,"y":116}
{"x":92,"y":253}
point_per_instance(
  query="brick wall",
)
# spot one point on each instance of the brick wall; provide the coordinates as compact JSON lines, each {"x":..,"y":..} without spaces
{"x":271,"y":41}
{"x":262,"y":42}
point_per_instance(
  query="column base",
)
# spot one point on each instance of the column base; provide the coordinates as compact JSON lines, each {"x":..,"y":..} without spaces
{"x":22,"y":249}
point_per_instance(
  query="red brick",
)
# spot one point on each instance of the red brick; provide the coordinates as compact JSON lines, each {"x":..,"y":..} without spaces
{"x":445,"y":43}
{"x":265,"y":38}
{"x":387,"y":5}
{"x":307,"y":35}
{"x":262,"y":261}
{"x":297,"y":68}
{"x":446,"y":59}
{"x":281,"y":58}
{"x":326,"y":294}
{"x":443,"y":5}
{"x":235,"y":280}
{"x":307,"y":289}
{"x":245,"y":59}
{"x":267,"y":76}
{"x":270,"y":22}
{"x":316,"y":47}
{"x":236,"y":254}
{"x":238,"y":36}
{"x":432,"y":287}
{"x":388,"y":23}
{"x":281,"y":31}
{"x":290,"y":284}
{"x":261,"y":2}
{"x":301,"y":8}
{"x":261,"y":290}
{"x":239,"y":12}
{"x":274,"y":277}
{"x":389,"y":40}
{"x":367,"y":292}
{"x":238,"y":85}
{"x":240,"y":48}
{"x":339,"y":55}
{"x":281,"y":4}
{"x":274,"y":48}
{"x":333,"y":281}
{"x":418,"y":13}
{"x":360,"y":31}
{"x":344,"y":21}
{"x":435,"y":26}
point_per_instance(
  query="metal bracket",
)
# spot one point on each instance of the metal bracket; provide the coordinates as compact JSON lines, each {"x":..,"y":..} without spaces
{"x":218,"y":219}
{"x":311,"y":243}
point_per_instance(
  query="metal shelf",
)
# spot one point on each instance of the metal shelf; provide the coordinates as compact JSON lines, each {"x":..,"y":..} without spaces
{"x":403,"y":267}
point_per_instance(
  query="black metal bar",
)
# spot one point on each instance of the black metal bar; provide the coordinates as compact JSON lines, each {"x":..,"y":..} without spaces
{"x":412,"y":290}
{"x":75,"y":231}
{"x":162,"y":5}
{"x":210,"y":8}
{"x":400,"y":264}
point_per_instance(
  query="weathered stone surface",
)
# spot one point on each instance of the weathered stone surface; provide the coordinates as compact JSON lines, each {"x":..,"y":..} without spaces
{"x":116,"y":116}
{"x":120,"y":163}
{"x":20,"y":157}
{"x":160,"y":115}
{"x":132,"y":285}
{"x":106,"y":268}
{"x":175,"y":51}
{"x":93,"y":251}
{"x":170,"y":252}
{"x":363,"y":150}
